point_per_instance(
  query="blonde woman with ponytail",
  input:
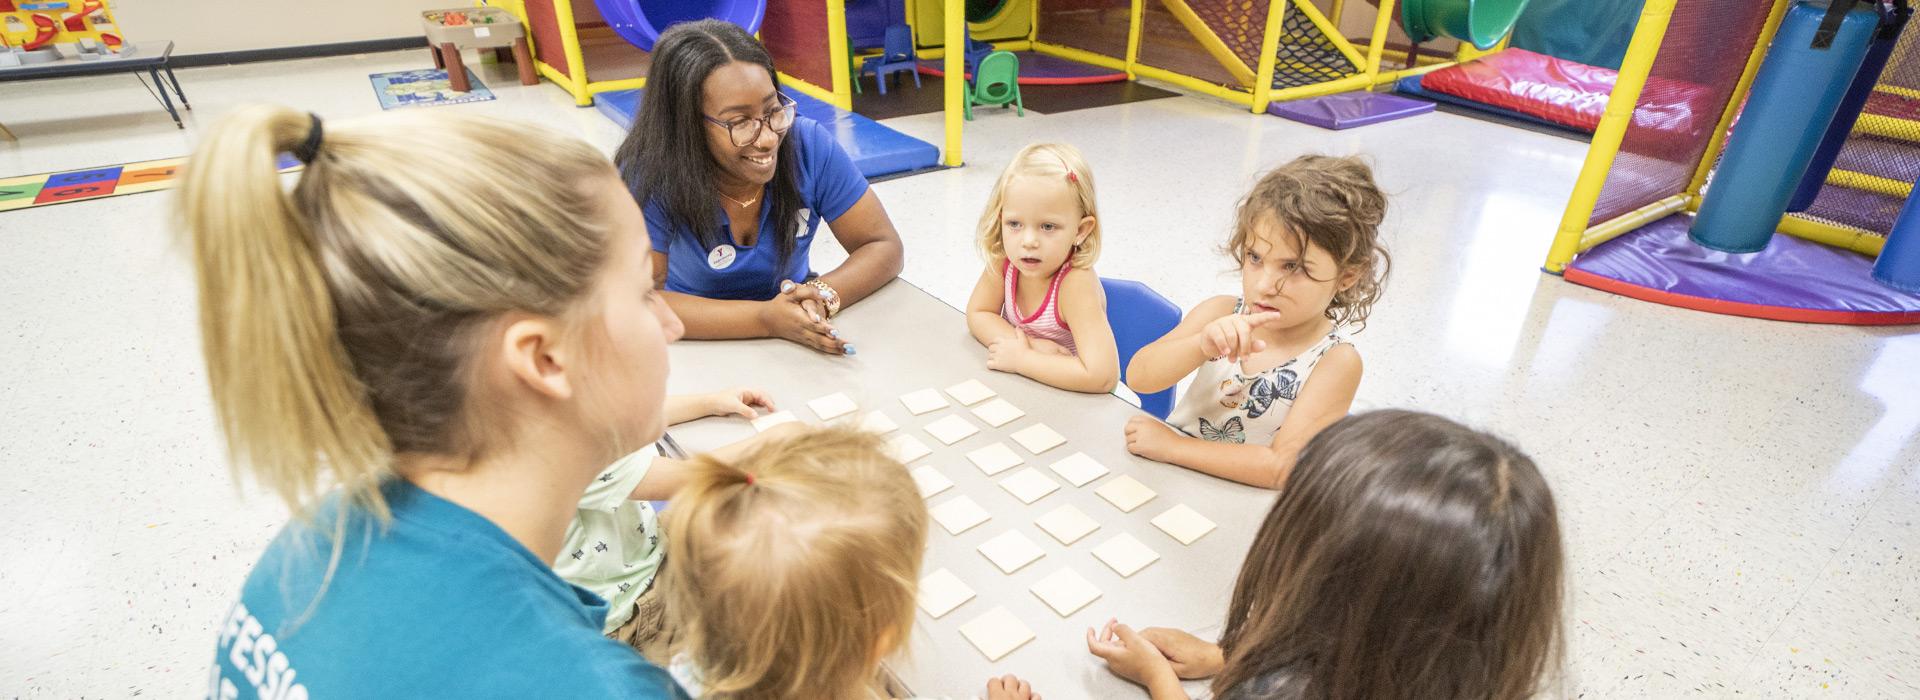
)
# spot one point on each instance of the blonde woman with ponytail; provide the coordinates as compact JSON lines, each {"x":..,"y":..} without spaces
{"x":427,"y":354}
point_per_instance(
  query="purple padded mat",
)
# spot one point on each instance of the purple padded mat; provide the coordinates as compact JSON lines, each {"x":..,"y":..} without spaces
{"x":1792,"y":280}
{"x":1349,"y":109}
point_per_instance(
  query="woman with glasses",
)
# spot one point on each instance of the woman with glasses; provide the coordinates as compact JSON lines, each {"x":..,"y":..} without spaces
{"x":734,"y":185}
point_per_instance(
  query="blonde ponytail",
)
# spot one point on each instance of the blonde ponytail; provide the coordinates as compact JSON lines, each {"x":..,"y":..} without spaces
{"x":283,"y":389}
{"x":340,"y":318}
{"x":794,"y":566}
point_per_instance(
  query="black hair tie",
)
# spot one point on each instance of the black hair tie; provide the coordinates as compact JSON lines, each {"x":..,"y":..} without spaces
{"x":310,"y":148}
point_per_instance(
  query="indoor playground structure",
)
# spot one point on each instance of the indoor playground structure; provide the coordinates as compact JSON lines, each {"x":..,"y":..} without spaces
{"x":1248,"y":53}
{"x":1757,"y":159}
{"x":39,"y":32}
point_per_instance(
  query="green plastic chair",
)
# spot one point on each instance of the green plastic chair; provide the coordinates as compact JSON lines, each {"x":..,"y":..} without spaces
{"x":996,"y":82}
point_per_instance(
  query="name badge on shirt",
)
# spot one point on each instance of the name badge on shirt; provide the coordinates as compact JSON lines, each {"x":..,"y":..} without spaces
{"x":721,"y":258}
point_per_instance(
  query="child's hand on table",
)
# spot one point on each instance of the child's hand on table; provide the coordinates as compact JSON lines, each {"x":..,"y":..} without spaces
{"x":738,"y":402}
{"x":1192,"y":657}
{"x":1231,"y":336}
{"x":1129,"y":655}
{"x":1010,"y":688}
{"x":1148,"y":437}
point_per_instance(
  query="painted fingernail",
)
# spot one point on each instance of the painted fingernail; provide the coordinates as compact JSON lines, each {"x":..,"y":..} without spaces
{"x":849,"y":349}
{"x":835,"y":332}
{"x":786,"y":286}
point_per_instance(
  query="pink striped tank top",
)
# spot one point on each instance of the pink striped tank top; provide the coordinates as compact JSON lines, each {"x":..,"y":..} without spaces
{"x":1045,"y":322}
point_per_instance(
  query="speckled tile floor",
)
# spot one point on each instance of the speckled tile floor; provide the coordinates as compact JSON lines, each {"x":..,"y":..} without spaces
{"x":1741,"y":498}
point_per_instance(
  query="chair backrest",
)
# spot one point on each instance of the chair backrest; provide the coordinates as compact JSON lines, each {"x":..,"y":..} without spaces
{"x":899,"y":43}
{"x":993,"y":81}
{"x":1140,"y":316}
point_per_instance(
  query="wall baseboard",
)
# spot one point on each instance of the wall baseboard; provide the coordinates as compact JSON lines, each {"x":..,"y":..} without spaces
{"x":291,"y":52}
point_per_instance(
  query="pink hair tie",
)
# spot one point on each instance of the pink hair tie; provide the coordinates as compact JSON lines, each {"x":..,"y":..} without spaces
{"x":749,"y":478}
{"x":1072,"y":177}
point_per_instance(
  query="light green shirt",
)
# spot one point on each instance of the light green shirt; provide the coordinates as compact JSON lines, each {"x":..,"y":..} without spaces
{"x":613,"y":546}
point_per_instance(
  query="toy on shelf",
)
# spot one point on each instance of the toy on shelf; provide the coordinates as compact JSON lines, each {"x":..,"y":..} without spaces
{"x":449,"y":31}
{"x":41,"y":32}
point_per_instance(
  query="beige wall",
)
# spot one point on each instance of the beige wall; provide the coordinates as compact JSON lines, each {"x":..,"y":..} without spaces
{"x":210,"y":26}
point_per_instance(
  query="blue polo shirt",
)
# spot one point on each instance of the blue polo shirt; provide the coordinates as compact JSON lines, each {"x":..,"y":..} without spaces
{"x":441,"y":603}
{"x":830,"y":184}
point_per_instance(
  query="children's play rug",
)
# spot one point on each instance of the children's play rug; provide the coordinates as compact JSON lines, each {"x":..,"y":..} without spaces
{"x":77,"y":185}
{"x":424,"y":88}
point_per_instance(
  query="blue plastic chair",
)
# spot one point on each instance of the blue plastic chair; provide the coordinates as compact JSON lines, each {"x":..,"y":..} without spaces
{"x":898,"y":57}
{"x":976,"y":50}
{"x":1140,"y":316}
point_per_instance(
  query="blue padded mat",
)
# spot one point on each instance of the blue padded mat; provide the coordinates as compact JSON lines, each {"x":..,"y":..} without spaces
{"x":1410,"y":85}
{"x":876,"y":149}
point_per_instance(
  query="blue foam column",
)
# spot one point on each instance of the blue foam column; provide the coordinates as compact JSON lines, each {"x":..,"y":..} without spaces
{"x":1794,"y":98}
{"x":1878,"y":51}
{"x":1899,"y":263}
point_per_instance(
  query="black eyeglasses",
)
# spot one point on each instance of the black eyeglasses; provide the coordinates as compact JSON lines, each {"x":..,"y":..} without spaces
{"x":746,"y":130}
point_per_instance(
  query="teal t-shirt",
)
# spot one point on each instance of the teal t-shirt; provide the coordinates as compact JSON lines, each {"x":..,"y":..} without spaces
{"x":440,"y":603}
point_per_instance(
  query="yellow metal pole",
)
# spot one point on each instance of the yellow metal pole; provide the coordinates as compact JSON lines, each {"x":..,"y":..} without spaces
{"x":1210,"y":41}
{"x":1632,"y":221}
{"x":955,"y":82}
{"x":1269,"y":43}
{"x":576,"y":62}
{"x":1734,"y":102}
{"x":1647,"y":35}
{"x":1330,"y":31}
{"x":1073,"y":54}
{"x":1195,"y":84}
{"x":1382,"y":22}
{"x":1859,"y":241}
{"x":837,"y":47}
{"x":1033,"y":23}
{"x":1136,"y":12}
{"x":1338,"y":12}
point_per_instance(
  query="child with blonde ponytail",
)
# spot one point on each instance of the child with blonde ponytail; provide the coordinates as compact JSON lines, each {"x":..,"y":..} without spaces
{"x":795,"y":568}
{"x":427,"y":356}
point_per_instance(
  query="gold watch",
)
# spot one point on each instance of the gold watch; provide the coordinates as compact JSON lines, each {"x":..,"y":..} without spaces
{"x":832,"y":298}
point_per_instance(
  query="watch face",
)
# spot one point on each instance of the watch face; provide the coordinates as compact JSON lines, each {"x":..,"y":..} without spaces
{"x":721,"y":258}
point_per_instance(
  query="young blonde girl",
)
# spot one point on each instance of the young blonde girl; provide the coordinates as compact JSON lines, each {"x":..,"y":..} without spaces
{"x":795,"y":569}
{"x":427,"y":356}
{"x":1272,"y":366}
{"x":1409,"y":558}
{"x":615,"y":547}
{"x":1038,"y":306}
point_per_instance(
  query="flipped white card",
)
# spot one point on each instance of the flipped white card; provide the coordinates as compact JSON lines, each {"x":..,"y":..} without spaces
{"x":1183,"y":524}
{"x":1029,"y":485}
{"x":997,"y":412}
{"x":930,"y":480}
{"x":941,"y":592}
{"x":1125,"y":493}
{"x":970,"y":392}
{"x":1065,"y":591}
{"x":1038,"y":438}
{"x":832,"y":406}
{"x":997,"y":633}
{"x":907,"y":448}
{"x":1125,"y":555}
{"x":1067,"y":524}
{"x":994,"y":458}
{"x":1010,"y":551}
{"x":877,"y":422}
{"x":923,"y":401}
{"x":1079,"y":469}
{"x":761,"y":424}
{"x":951,"y":429}
{"x":958,"y":515}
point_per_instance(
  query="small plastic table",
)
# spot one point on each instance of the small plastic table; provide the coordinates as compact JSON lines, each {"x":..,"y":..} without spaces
{"x":503,"y":31}
{"x":150,"y":56}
